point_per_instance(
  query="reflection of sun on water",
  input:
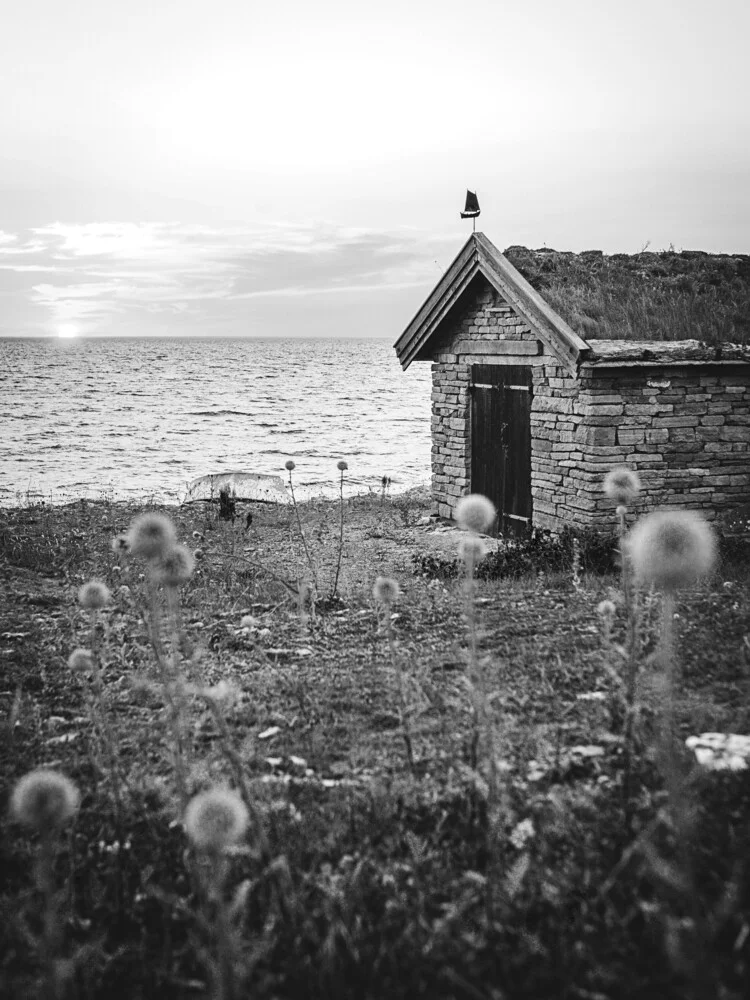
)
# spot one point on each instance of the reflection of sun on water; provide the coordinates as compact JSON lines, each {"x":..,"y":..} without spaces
{"x":67,"y":330}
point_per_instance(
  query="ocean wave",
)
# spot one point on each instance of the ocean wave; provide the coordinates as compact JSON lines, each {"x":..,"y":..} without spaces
{"x":218,"y":413}
{"x":312,"y":414}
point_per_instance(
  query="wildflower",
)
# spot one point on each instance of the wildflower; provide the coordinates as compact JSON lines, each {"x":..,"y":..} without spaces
{"x":622,"y":485}
{"x":671,"y":549}
{"x":249,"y":621}
{"x":175,"y":567}
{"x":198,"y":555}
{"x":121,"y":545}
{"x":151,"y":535}
{"x":472,"y":549}
{"x":386,"y":590}
{"x":81,"y":659}
{"x":197,"y":536}
{"x":215,"y":819}
{"x":289,"y":465}
{"x":342,"y":466}
{"x":94,"y":595}
{"x":44,"y":799}
{"x":475,"y":512}
{"x":606,"y":609}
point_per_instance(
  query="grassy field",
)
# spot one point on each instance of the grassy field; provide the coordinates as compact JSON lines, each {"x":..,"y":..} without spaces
{"x":529,"y":848}
{"x":668,"y":295}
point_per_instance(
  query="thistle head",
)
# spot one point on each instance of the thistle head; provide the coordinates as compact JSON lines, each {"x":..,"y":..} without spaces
{"x":215,"y":819}
{"x":342,"y":466}
{"x":44,"y":799}
{"x":81,"y":659}
{"x":671,"y":549}
{"x":289,"y":465}
{"x":386,"y":591}
{"x":94,"y":595}
{"x":175,"y":567}
{"x":622,"y":485}
{"x":151,"y":535}
{"x":475,"y":513}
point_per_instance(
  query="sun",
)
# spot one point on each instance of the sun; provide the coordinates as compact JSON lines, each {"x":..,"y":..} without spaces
{"x":67,"y":330}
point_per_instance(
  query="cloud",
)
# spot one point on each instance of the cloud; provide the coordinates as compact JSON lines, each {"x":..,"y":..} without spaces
{"x":168,"y":278}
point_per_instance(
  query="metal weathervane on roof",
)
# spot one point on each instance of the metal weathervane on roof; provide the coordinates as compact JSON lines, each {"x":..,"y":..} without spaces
{"x":471,"y":210}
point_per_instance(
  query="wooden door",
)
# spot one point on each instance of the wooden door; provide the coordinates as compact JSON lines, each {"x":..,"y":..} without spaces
{"x":501,"y":442}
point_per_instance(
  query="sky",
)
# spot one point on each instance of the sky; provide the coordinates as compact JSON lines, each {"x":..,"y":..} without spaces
{"x":290,"y":168}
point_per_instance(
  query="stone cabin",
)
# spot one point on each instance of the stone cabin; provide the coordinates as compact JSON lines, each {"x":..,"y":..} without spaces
{"x":530,"y":413}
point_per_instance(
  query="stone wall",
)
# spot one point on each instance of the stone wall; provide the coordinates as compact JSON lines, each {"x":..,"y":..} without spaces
{"x":684,"y":428}
{"x":482,"y":319}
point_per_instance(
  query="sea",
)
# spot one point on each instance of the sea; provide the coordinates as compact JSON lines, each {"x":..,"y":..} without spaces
{"x":140,"y":418}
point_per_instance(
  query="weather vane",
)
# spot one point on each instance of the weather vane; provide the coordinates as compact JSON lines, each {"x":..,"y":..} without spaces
{"x":471,"y":211}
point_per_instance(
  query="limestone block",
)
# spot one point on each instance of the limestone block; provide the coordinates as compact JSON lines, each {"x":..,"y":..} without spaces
{"x":707,"y":433}
{"x":594,"y":410}
{"x":630,"y":435}
{"x":682,"y":434}
{"x":734,"y":434}
{"x":595,"y":435}
{"x":686,"y":421}
{"x":717,"y":446}
{"x":645,"y":409}
{"x":551,"y":404}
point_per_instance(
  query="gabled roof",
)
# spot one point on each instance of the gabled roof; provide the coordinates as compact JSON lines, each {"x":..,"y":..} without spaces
{"x":478,"y":256}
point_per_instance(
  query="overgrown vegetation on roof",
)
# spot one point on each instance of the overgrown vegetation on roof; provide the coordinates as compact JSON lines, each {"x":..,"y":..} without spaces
{"x":668,"y":295}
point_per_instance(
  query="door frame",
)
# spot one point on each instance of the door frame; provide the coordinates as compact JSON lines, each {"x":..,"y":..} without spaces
{"x":502,"y":395}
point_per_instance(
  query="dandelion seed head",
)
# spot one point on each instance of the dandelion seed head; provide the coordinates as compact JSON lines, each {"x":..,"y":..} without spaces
{"x":475,"y":512}
{"x":289,"y":465}
{"x":175,"y":567}
{"x":671,"y":549}
{"x":44,"y":799}
{"x":386,"y":590}
{"x":151,"y":535}
{"x":606,"y":609}
{"x":223,"y":693}
{"x":472,"y":549}
{"x":215,"y":819}
{"x":121,"y":545}
{"x":621,"y":510}
{"x":81,"y":659}
{"x":342,"y":466}
{"x":94,"y":595}
{"x":622,"y":485}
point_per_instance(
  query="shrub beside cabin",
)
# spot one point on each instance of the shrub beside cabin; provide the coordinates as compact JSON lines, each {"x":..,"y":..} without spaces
{"x":532,"y":410}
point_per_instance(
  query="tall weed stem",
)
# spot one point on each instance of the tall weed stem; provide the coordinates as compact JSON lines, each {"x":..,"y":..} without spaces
{"x":310,"y":562}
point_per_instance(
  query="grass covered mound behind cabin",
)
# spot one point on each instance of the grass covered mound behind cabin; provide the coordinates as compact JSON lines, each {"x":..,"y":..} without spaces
{"x":371,"y":878}
{"x":668,"y":295}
